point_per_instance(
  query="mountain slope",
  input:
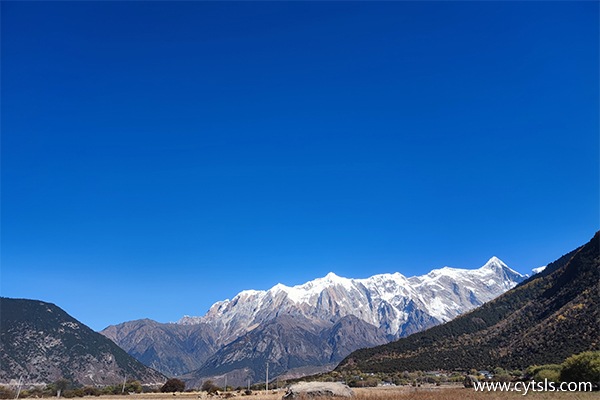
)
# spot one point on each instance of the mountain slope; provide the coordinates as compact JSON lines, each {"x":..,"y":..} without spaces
{"x":174,"y":349}
{"x":42,"y":343}
{"x":543,"y":320}
{"x":382,"y":308}
{"x":287,"y":343}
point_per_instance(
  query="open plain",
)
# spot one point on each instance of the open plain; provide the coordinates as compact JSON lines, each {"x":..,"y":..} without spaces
{"x":382,"y":393}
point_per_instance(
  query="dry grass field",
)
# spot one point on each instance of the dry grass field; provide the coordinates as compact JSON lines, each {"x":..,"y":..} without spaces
{"x":459,"y":393}
{"x":401,"y":393}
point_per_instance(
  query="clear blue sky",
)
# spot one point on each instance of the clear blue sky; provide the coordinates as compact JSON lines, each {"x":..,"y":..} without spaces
{"x":158,"y":157}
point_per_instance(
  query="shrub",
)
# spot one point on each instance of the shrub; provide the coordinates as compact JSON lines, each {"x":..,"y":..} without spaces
{"x":173,"y":385}
{"x":210,"y":387}
{"x":91,"y":391}
{"x":552,"y":375}
{"x":134,"y":387}
{"x":37,"y":391}
{"x":584,"y":367}
{"x":150,"y":389}
{"x":6,"y":393}
{"x":70,"y":393}
{"x":547,"y":371}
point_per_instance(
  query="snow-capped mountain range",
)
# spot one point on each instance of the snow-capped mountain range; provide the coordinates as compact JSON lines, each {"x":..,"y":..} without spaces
{"x":309,"y":326}
{"x":386,"y":301}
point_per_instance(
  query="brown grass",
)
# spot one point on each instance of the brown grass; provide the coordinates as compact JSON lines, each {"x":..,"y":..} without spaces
{"x":392,"y":393}
{"x":460,"y":393}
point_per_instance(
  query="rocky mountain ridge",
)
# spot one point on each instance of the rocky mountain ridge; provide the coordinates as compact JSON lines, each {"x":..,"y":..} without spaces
{"x":383,"y":300}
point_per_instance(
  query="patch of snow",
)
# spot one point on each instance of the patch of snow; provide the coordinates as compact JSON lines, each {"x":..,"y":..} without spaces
{"x":437,"y":308}
{"x":538,"y":269}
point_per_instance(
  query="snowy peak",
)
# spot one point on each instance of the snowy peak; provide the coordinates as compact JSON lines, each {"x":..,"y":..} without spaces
{"x":495,"y":264}
{"x":304,"y":292}
{"x":495,"y":261}
{"x":328,"y":280}
{"x":502,"y":270}
{"x":331,"y":276}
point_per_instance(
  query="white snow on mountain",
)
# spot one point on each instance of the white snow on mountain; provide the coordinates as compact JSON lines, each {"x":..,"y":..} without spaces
{"x":392,"y":302}
{"x":538,"y":269}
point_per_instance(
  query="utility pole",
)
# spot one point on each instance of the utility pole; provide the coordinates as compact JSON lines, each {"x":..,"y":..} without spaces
{"x":19,"y":386}
{"x":225,"y":382}
{"x":267,"y":379}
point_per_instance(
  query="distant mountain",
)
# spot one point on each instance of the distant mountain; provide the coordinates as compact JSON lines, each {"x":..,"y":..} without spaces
{"x":173,"y":349}
{"x":317,"y":323}
{"x":545,"y":319}
{"x":42,"y":343}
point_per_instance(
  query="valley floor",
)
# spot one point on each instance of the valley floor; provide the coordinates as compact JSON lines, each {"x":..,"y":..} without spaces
{"x":384,"y":393}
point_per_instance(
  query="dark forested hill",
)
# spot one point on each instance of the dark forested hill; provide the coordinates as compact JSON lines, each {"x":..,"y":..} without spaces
{"x":543,"y":320}
{"x":41,"y":343}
